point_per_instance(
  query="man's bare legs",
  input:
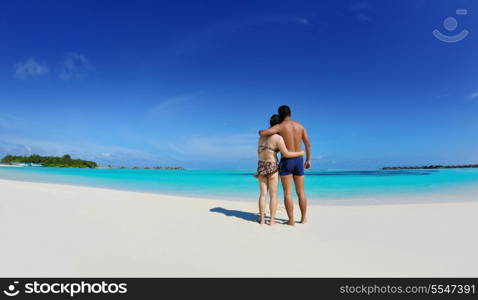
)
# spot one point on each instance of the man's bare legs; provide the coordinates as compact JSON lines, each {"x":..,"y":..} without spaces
{"x":299,"y":188}
{"x":273,"y":182}
{"x":262,"y":199}
{"x":289,"y":204}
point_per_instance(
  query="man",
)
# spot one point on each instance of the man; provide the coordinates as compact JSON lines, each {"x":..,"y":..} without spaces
{"x":292,"y":169}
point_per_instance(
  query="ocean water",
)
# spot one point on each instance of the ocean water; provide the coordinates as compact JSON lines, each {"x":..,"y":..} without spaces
{"x":321,"y":186}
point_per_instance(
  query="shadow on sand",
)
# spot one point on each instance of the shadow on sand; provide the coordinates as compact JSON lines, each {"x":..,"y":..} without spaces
{"x":247,"y":216}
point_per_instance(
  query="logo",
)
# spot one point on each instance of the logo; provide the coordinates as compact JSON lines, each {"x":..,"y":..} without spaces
{"x":450,"y":25}
{"x":67,"y":288}
{"x":10,"y":291}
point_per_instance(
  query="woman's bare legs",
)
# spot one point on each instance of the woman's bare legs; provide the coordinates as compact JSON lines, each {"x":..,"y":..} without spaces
{"x":273,"y":182}
{"x":262,"y":198}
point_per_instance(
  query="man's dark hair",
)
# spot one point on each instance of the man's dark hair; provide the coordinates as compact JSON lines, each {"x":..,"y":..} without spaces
{"x":275,"y":119}
{"x":284,"y":111}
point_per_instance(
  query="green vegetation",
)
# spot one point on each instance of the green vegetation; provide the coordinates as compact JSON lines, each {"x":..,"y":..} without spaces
{"x":49,"y":161}
{"x":432,"y":167}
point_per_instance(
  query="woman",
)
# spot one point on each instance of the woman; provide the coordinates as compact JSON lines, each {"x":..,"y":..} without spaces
{"x":268,"y":168}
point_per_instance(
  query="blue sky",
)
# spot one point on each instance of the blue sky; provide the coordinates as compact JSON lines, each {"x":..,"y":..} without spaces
{"x":190,"y":82}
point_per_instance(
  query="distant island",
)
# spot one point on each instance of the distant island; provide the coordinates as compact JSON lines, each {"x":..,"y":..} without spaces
{"x":144,"y":168}
{"x":432,"y":167}
{"x":64,"y":161}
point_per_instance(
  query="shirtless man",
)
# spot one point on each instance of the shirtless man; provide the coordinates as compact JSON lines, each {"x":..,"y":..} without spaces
{"x":292,"y":169}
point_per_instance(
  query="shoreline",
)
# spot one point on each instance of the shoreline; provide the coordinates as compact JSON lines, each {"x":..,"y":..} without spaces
{"x":52,"y":230}
{"x":10,"y":166}
{"x":446,"y":195}
{"x":341,"y":201}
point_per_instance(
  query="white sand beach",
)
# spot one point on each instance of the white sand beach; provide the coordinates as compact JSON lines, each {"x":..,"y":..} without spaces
{"x":60,"y":230}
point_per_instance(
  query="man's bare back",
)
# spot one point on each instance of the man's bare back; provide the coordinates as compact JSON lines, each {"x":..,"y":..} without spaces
{"x":292,"y":132}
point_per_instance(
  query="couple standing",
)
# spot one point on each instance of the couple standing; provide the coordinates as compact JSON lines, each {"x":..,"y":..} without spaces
{"x":286,"y":136}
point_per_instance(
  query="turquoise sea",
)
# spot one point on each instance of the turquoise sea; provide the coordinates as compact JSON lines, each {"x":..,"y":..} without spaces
{"x":322,"y":186}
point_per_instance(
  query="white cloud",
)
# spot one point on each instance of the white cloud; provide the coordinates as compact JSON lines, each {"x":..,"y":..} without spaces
{"x":103,"y":154}
{"x":232,"y":146}
{"x":473,"y":96}
{"x":270,"y":19}
{"x":8,"y":121}
{"x":363,"y":17}
{"x":208,"y":36}
{"x":362,"y":11}
{"x":170,"y":107}
{"x":30,"y":68}
{"x":302,"y":21}
{"x":74,"y":66}
{"x":360,"y":6}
